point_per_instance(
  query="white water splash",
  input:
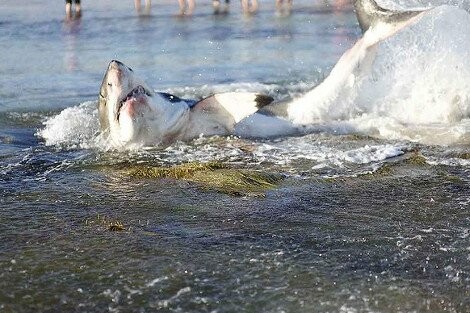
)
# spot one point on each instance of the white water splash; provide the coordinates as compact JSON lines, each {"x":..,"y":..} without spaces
{"x":74,"y":127}
{"x":413,"y":84}
{"x":322,"y":155}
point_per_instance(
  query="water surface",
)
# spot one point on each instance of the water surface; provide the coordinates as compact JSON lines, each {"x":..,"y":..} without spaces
{"x":359,"y":223}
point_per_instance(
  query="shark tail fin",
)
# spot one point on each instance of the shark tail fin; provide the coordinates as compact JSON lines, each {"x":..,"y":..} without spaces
{"x":368,"y":13}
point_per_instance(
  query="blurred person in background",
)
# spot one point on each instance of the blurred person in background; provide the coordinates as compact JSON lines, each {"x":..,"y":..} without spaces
{"x":249,"y":7}
{"x":138,"y":7}
{"x":216,"y":4}
{"x":186,"y":7}
{"x":68,"y":9}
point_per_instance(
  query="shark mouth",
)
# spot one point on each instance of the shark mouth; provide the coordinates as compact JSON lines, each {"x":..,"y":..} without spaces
{"x":134,"y":94}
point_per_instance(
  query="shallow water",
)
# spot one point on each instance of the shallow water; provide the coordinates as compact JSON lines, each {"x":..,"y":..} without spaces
{"x":360,"y":223}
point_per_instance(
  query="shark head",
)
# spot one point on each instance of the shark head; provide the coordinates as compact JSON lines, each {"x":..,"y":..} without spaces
{"x":130,"y":113}
{"x":124,"y":105}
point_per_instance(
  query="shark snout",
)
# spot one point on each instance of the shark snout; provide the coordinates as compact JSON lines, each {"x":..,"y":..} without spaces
{"x":115,"y":64}
{"x":117,"y":69}
{"x":118,"y":65}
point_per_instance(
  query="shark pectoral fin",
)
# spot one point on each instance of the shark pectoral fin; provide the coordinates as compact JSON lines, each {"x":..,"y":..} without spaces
{"x":233,"y":105}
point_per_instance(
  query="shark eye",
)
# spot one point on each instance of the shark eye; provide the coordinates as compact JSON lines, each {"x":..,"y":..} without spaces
{"x":110,"y":85}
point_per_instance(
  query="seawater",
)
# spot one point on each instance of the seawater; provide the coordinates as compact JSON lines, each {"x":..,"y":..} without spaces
{"x":363,"y":221}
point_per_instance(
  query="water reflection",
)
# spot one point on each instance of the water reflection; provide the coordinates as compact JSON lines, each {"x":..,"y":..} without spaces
{"x":285,"y":30}
{"x":340,"y":5}
{"x":71,"y":31}
{"x":341,"y":33}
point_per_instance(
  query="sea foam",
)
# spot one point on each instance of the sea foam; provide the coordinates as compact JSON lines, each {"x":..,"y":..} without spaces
{"x":74,"y":127}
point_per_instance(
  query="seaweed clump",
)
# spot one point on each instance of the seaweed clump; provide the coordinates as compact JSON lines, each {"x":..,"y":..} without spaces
{"x":416,"y":159}
{"x":106,"y":223}
{"x":183,"y":171}
{"x":214,"y":176}
{"x":464,"y":155}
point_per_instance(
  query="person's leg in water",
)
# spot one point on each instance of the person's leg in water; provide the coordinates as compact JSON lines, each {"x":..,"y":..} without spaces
{"x":249,"y":8}
{"x":78,"y":9}
{"x":68,"y":9}
{"x":191,"y":5}
{"x":216,"y":5}
{"x":283,"y":7}
{"x":148,"y":5}
{"x":138,"y":7}
{"x":186,"y":7}
{"x":182,"y":5}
